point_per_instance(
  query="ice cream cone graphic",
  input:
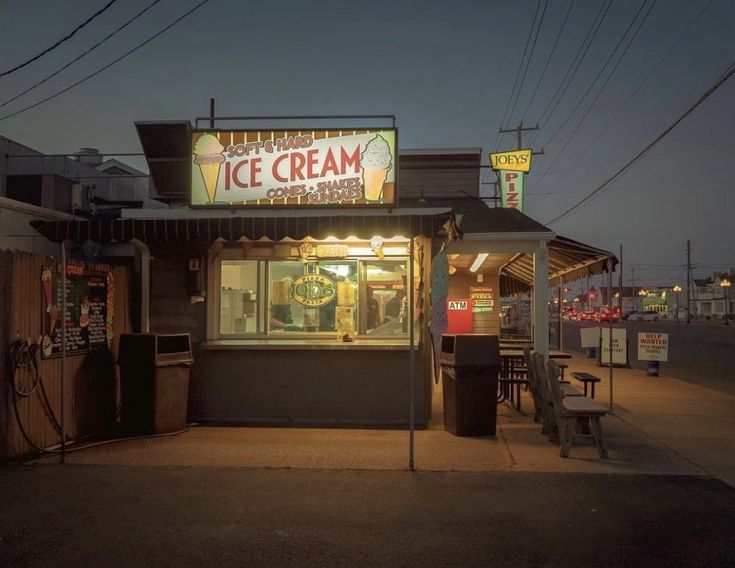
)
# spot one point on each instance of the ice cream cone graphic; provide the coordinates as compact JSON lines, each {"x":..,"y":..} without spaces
{"x":208,"y":156}
{"x":376,"y":162}
{"x":373,"y":180}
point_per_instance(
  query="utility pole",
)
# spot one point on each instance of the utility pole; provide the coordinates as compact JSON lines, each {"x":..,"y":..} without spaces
{"x":632,"y":288}
{"x":689,"y":279}
{"x":519,"y":130}
{"x":620,"y":284}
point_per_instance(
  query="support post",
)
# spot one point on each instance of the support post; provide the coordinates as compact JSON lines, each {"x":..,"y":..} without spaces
{"x":145,"y":285}
{"x":411,"y":361}
{"x":610,"y":327}
{"x":62,"y":390}
{"x":540,"y":297}
{"x":561,"y":313}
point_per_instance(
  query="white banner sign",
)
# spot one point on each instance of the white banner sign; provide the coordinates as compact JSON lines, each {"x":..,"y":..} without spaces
{"x":619,"y":348}
{"x":590,"y":336}
{"x":653,"y":346}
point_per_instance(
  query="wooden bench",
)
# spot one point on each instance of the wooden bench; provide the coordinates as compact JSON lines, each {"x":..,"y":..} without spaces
{"x":568,"y":390}
{"x":587,"y":379}
{"x":570,"y":411}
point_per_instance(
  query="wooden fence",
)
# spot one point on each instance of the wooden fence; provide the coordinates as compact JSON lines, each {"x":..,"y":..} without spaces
{"x":91,"y":384}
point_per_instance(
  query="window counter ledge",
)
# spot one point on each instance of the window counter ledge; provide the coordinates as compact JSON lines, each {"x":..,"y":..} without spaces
{"x":305,"y":345}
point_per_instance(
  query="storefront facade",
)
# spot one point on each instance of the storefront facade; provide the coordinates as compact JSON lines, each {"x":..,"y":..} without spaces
{"x":312,"y":296}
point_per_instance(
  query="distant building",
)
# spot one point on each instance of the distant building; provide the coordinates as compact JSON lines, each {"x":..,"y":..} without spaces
{"x":708,"y":297}
{"x":34,"y":185}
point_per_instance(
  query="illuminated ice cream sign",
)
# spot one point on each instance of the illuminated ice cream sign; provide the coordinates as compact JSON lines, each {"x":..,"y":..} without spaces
{"x":294,"y":169}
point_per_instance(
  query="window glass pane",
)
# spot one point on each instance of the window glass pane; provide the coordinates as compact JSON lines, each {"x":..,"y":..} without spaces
{"x":238,"y":297}
{"x":386,"y":302}
{"x":312,"y":297}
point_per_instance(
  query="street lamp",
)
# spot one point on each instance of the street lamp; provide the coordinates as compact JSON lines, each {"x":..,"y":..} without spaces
{"x":642,"y":293}
{"x":677,"y":289}
{"x":725,"y":283}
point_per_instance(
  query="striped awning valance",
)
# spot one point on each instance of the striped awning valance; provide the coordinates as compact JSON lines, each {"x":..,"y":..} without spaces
{"x":253,"y":228}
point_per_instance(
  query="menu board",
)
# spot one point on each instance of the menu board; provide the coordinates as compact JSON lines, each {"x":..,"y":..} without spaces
{"x":483,"y":299}
{"x":89,"y":310}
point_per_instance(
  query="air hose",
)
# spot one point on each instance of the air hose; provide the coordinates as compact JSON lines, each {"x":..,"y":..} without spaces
{"x":25,"y":355}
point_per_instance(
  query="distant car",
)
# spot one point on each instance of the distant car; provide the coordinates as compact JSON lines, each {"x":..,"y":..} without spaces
{"x":587,"y":315}
{"x":607,"y":315}
{"x":627,"y":314}
{"x":648,"y":315}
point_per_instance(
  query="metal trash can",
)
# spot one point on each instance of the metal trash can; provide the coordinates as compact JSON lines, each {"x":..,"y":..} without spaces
{"x":154,"y":382}
{"x":470,"y":365}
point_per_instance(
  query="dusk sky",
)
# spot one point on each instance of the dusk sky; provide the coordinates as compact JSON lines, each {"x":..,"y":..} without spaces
{"x":446,"y":70}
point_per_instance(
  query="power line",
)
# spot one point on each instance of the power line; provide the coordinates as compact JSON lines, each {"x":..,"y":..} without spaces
{"x":604,"y":84}
{"x":518,"y":73}
{"x":574,"y":66}
{"x":608,"y":162}
{"x":87,"y":52}
{"x":123,"y":56}
{"x":58,"y":43}
{"x":528,"y":61}
{"x":639,"y":187}
{"x":718,"y":83}
{"x":607,"y":62}
{"x":624,"y":106}
{"x":548,"y":60}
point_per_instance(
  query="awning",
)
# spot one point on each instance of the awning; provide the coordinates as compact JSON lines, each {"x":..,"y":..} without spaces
{"x":568,"y":259}
{"x":253,"y":228}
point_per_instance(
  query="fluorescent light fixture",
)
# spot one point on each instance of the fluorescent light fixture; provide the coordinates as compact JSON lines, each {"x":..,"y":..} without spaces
{"x":479,"y":259}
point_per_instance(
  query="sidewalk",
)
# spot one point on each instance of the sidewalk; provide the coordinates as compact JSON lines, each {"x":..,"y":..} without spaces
{"x":660,"y":426}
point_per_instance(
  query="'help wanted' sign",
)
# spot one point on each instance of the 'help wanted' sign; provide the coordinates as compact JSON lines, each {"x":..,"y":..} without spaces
{"x":653,"y":346}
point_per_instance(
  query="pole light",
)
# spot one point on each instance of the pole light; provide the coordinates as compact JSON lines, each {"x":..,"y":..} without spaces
{"x":725,"y":283}
{"x":642,"y":293}
{"x":677,"y":289}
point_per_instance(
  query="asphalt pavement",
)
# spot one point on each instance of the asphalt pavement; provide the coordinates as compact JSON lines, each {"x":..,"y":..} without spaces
{"x":172,"y":516}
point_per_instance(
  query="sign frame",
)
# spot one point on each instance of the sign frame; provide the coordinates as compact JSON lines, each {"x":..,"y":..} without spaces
{"x":661,"y":354}
{"x":524,"y":167}
{"x":293,"y":131}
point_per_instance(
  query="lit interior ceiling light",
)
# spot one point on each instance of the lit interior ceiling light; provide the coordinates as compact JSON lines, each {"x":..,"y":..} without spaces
{"x":482,"y":257}
{"x":452,"y":269}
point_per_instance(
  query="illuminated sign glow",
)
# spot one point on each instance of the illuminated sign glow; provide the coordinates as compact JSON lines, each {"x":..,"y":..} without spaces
{"x":313,"y":290}
{"x":517,"y":161}
{"x":305,"y":168}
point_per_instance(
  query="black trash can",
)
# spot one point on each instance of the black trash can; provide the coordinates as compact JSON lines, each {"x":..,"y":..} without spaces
{"x":154,"y":382}
{"x":470,"y":366}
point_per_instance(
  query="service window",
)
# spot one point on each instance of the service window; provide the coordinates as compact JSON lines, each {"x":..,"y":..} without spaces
{"x":238,"y":314}
{"x":312,"y":297}
{"x":385,"y":297}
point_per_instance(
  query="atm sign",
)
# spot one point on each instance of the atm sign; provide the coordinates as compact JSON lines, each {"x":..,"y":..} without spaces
{"x":457,"y":305}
